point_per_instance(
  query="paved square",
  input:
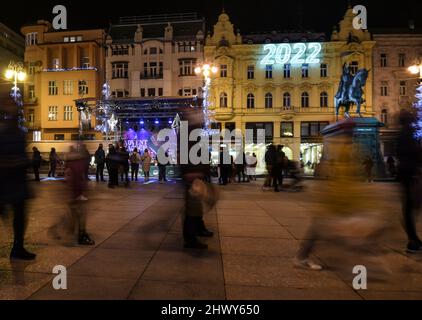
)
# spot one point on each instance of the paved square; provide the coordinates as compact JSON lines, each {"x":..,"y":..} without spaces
{"x":139,"y":249}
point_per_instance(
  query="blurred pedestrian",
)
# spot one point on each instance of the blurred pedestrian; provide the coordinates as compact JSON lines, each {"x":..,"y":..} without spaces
{"x":13,"y":185}
{"x":368,"y":164}
{"x":251,"y":163}
{"x":87,"y":157}
{"x":100,"y":158}
{"x":112,"y":162}
{"x":36,"y":162}
{"x":162,"y":168}
{"x":270,"y":160}
{"x":53,"y":160}
{"x":124,"y":159}
{"x":146,"y":164}
{"x":391,"y":165}
{"x":409,"y":155}
{"x":240,"y":165}
{"x":135,"y":159}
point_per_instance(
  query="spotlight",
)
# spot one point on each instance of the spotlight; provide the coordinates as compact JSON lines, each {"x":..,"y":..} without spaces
{"x":157,"y":122}
{"x":170,"y":121}
{"x":142,"y":122}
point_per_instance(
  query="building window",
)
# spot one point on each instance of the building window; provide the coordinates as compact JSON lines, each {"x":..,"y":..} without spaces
{"x":67,"y":87}
{"x":32,"y":68}
{"x":286,"y":129}
{"x":268,"y":71}
{"x":187,"y":47}
{"x":250,"y":101}
{"x":151,"y":92}
{"x":120,"y":70}
{"x":324,"y":70}
{"x":287,"y":101}
{"x":305,"y":70}
{"x":323,"y":99}
{"x":383,"y":60}
{"x":312,"y":129}
{"x":142,"y":92}
{"x":53,"y":90}
{"x":305,"y":100}
{"x":83,"y":87}
{"x":186,"y":67}
{"x":30,"y":117}
{"x":120,"y":51}
{"x":36,"y":136}
{"x":403,"y":88}
{"x":251,"y":72}
{"x":384,"y":89}
{"x":121,"y":93}
{"x":31,"y":39}
{"x":223,"y":100}
{"x":354,"y":67}
{"x":287,"y":71}
{"x":68,"y":113}
{"x":160,"y":92}
{"x":267,"y":127}
{"x":153,"y":50}
{"x":223,"y":71}
{"x":402,"y":60}
{"x":59,"y":137}
{"x":268,"y":100}
{"x":53,"y":113}
{"x":153,"y":69}
{"x":56,"y":63}
{"x":85,"y":63}
{"x":384,"y":116}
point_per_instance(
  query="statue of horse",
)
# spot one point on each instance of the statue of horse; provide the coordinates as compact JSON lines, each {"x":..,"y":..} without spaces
{"x":351,"y":92}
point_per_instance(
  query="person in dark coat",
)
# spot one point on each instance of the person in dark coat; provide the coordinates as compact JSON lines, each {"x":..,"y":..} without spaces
{"x":36,"y":162}
{"x":53,"y":160}
{"x":100,"y":162}
{"x":409,"y":155}
{"x":13,"y":186}
{"x":124,"y":159}
{"x":112,"y":162}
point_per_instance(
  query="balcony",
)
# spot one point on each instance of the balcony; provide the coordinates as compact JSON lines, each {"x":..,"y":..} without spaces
{"x":151,"y":76}
{"x":30,"y":101}
{"x":291,"y":110}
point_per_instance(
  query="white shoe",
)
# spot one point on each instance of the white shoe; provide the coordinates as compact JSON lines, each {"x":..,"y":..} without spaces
{"x":82,"y":198}
{"x":307,"y":264}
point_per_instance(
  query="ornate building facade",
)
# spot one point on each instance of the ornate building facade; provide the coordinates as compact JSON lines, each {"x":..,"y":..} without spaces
{"x":284,"y":83}
{"x":62,"y":66}
{"x":155,"y":56}
{"x":394,"y":87}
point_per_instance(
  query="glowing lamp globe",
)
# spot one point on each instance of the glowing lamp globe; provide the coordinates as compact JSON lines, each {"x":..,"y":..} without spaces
{"x":206,"y":67}
{"x":9,"y":74}
{"x":21,"y":76}
{"x":197,"y":70}
{"x":214,"y":70}
{"x":414,"y":69}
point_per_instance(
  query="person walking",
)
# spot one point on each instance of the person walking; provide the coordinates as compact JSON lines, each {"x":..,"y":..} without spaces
{"x":251,"y":162}
{"x":100,"y":159}
{"x":162,"y":168}
{"x":112,"y":167}
{"x":53,"y":160}
{"x":240,"y":163}
{"x":269,"y":162}
{"x":87,"y":157}
{"x":134,"y":159}
{"x":409,"y":155}
{"x":14,"y":190}
{"x":146,"y":164}
{"x":368,"y":163}
{"x":279,"y":167}
{"x":36,"y":162}
{"x":391,"y":165}
{"x":124,"y":158}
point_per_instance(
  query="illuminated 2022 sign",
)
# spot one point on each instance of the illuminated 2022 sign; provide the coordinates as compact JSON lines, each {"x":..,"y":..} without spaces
{"x":297,"y":53}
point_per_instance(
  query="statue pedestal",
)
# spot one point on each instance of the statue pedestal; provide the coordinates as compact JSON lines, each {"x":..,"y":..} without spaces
{"x":365,"y":137}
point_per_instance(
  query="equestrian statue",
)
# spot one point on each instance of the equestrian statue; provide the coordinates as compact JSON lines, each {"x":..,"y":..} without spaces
{"x":350,"y":90}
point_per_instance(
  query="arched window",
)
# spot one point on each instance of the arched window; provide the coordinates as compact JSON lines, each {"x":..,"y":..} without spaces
{"x":223,"y":100}
{"x":250,"y":102}
{"x":305,"y":100}
{"x":323,"y":99}
{"x":268,"y":100}
{"x":384,"y":116}
{"x":287,"y":100}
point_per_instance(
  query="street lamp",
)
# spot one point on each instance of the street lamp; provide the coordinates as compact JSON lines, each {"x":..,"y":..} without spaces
{"x":415,"y":69}
{"x":15,"y":72}
{"x":206,"y":70}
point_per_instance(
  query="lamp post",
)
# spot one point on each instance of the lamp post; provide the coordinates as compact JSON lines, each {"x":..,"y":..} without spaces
{"x":206,"y":70}
{"x":15,"y":72}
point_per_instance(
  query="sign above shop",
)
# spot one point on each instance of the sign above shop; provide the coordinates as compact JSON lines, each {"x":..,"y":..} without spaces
{"x":295,"y":53}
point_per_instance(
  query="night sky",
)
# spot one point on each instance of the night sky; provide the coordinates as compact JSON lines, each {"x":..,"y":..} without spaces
{"x":249,"y":16}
